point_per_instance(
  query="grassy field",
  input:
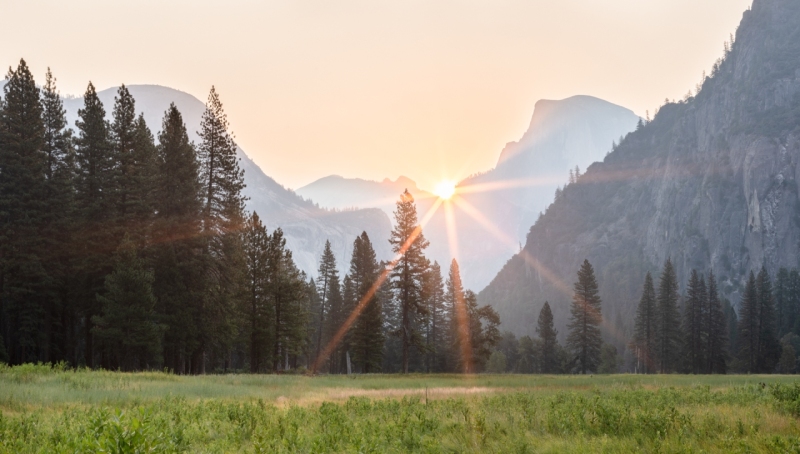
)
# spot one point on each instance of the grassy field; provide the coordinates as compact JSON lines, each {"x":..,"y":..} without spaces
{"x":45,"y":409}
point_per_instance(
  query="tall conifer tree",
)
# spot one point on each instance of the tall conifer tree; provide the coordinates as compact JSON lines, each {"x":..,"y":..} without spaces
{"x":326,"y":273}
{"x":25,"y":283}
{"x":409,"y":243}
{"x":644,"y":338}
{"x":222,"y":182}
{"x":748,"y":335}
{"x":436,"y":337}
{"x":668,"y":331}
{"x":549,"y":342}
{"x":769,"y":349}
{"x":716,"y":330}
{"x":176,"y":229}
{"x":94,"y":205}
{"x":694,"y":342}
{"x":584,"y":339}
{"x":459,"y":358}
{"x":367,"y":339}
{"x":59,"y":319}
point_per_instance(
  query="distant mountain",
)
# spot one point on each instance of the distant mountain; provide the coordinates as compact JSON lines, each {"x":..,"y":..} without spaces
{"x":338,"y":192}
{"x":305,"y":225}
{"x":576,"y":131}
{"x":711,"y":182}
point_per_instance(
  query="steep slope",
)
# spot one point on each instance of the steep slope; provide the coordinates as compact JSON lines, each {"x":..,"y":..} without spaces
{"x":576,"y":131}
{"x":306,"y":226}
{"x":711,"y":182}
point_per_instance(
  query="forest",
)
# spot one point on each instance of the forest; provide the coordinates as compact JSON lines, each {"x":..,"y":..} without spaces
{"x":124,"y":251}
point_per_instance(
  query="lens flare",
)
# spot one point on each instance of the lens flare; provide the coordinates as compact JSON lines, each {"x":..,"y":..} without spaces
{"x":445,"y":189}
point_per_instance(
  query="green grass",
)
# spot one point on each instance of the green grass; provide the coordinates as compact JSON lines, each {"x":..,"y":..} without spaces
{"x":45,"y":409}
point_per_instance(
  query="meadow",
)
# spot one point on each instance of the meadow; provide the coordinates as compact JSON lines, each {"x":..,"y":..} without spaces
{"x":47,"y":409}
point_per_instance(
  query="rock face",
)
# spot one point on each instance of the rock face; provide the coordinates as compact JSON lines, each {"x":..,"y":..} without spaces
{"x":305,"y":225}
{"x":711,"y":182}
{"x":576,"y":131}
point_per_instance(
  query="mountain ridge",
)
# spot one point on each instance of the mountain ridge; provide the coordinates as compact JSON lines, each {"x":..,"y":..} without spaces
{"x":711,"y":182}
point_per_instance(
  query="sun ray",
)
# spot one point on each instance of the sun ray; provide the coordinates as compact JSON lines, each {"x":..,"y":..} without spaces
{"x":340,"y":333}
{"x":560,"y":285}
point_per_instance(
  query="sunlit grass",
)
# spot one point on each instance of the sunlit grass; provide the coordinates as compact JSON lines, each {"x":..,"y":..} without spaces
{"x":55,"y":410}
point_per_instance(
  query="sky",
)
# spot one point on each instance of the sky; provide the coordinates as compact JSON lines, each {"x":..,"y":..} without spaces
{"x":429,"y":89}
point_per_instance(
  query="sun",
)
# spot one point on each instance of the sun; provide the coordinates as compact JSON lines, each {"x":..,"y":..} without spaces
{"x":445,"y":189}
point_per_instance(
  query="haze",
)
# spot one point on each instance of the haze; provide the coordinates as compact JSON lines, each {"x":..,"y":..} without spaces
{"x":374,"y":88}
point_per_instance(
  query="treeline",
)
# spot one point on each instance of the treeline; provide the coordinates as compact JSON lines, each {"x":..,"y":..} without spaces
{"x":697,"y":332}
{"x":701,"y":333}
{"x":126,"y":251}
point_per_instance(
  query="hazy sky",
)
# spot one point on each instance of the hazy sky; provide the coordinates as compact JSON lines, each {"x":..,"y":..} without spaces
{"x":430,"y":89}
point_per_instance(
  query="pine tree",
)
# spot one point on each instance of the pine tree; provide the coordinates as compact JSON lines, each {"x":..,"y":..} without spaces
{"x":327,"y":273}
{"x":25,"y":283}
{"x":175,"y":238}
{"x":694,"y":311}
{"x":768,"y":347}
{"x":584,"y":339}
{"x":547,"y":333}
{"x":484,"y":323}
{"x":644,"y":340}
{"x":367,"y":340}
{"x":459,"y":358}
{"x":336,"y":317}
{"x":407,"y":274}
{"x":748,"y":334}
{"x":286,"y":296}
{"x":94,"y":205}
{"x":127,"y":328}
{"x":716,"y":331}
{"x":668,"y":332}
{"x":58,"y":230}
{"x":436,"y":336}
{"x":258,"y":314}
{"x":222,"y":217}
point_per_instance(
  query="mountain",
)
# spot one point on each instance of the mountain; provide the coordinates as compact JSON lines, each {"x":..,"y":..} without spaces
{"x":562,"y":134}
{"x":710,"y":182}
{"x":338,"y":192}
{"x":305,"y":225}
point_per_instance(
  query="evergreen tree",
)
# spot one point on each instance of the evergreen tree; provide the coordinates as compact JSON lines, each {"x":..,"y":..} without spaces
{"x":436,"y":337}
{"x":716,"y":331}
{"x":59,"y":315}
{"x":222,"y":217}
{"x":26,"y":286}
{"x":367,"y":339}
{"x":668,"y":331}
{"x":175,"y":236}
{"x":327,"y":273}
{"x":336,"y":317}
{"x":484,"y":332}
{"x":94,"y":205}
{"x":258,"y":313}
{"x":748,"y":334}
{"x":644,"y":339}
{"x":287,"y":297}
{"x":409,"y":244}
{"x":547,"y":334}
{"x":694,"y":315}
{"x":460,"y":351}
{"x":583,"y":339}
{"x":127,"y":328}
{"x":768,"y":348}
